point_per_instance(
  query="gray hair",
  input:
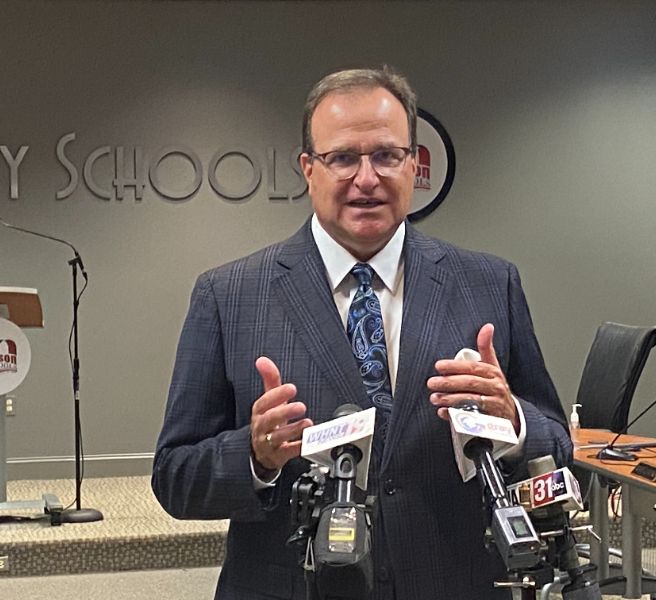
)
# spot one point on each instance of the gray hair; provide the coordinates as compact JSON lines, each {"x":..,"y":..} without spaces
{"x":352,"y":79}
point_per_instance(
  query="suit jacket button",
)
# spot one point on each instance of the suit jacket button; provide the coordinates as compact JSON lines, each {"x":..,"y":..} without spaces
{"x":389,"y":488}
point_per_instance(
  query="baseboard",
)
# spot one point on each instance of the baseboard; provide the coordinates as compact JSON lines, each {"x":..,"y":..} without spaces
{"x":95,"y":465}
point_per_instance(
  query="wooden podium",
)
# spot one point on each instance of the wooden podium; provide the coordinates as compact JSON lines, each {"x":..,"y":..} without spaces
{"x":19,"y":308}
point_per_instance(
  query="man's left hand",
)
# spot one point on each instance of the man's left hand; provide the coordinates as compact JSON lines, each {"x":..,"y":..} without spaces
{"x":483,"y":382}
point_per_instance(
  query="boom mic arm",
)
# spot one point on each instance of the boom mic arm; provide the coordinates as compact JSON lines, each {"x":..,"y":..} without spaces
{"x":610,"y":452}
{"x":77,"y":258}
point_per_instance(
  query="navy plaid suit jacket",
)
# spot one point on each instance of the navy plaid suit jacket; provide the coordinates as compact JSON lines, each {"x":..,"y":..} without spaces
{"x":428,"y":530}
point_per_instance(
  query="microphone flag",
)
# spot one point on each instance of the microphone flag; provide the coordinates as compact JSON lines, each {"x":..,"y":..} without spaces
{"x":558,"y":486}
{"x":356,"y":428}
{"x":466,"y":425}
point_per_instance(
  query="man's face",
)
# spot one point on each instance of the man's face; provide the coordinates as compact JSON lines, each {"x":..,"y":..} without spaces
{"x":363,"y":212}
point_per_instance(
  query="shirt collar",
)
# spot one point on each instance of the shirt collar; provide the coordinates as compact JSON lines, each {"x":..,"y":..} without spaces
{"x":339,"y":261}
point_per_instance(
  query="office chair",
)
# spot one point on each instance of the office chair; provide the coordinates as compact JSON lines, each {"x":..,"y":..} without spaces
{"x":612,"y":369}
{"x":614,"y":364}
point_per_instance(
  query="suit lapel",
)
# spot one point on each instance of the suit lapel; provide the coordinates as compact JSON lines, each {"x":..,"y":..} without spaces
{"x":303,"y":291}
{"x":426,"y":288}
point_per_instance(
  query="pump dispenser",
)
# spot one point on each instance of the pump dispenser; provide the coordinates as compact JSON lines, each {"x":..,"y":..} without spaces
{"x":574,"y":422}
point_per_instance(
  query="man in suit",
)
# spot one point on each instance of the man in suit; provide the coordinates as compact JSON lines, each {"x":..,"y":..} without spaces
{"x":267,"y":349}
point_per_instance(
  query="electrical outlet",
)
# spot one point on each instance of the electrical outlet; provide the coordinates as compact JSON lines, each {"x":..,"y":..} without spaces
{"x":4,"y":563}
{"x":10,"y":403}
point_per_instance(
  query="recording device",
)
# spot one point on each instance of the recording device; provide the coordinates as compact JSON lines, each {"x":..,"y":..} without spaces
{"x":512,"y":531}
{"x":547,"y":496}
{"x":332,"y":530}
{"x":612,"y":452}
{"x":646,"y":471}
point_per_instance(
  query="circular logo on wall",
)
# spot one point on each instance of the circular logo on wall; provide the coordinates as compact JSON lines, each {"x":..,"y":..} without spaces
{"x":436,"y":166}
{"x":15,"y":356}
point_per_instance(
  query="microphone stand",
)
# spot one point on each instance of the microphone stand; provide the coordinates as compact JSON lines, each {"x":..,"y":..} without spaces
{"x":78,"y":514}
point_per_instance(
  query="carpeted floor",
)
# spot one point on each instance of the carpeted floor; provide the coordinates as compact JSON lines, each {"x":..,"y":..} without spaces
{"x":173,"y":584}
{"x":134,"y":534}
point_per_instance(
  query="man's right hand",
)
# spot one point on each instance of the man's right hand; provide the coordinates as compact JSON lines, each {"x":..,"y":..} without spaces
{"x":274,"y":439}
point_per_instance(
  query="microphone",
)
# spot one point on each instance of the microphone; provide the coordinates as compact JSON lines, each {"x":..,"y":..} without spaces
{"x":515,"y":538}
{"x":612,"y":452}
{"x":335,"y":528}
{"x":346,"y":457}
{"x":77,"y":259}
{"x":547,"y":486}
{"x":467,"y":423}
{"x":471,"y":422}
{"x":350,"y":427}
{"x":78,"y":515}
{"x":547,"y":496}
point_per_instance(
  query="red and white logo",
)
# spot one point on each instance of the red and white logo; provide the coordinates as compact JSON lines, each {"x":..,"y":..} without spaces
{"x":15,"y":356}
{"x":422,"y":175}
{"x":8,"y":359}
{"x":547,"y":488}
{"x":436,"y":166}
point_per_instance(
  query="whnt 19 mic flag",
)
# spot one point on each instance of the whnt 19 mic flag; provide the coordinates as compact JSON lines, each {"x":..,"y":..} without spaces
{"x":356,"y":428}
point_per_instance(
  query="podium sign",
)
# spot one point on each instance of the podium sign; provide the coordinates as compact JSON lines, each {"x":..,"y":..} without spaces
{"x":15,"y":356}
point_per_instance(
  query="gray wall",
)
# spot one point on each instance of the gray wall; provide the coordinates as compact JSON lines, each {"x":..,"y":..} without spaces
{"x":551,"y":108}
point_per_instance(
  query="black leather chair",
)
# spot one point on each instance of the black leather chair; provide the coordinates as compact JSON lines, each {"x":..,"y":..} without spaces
{"x":612,"y":369}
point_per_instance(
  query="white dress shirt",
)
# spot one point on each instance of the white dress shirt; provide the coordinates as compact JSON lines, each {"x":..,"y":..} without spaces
{"x":388,"y":285}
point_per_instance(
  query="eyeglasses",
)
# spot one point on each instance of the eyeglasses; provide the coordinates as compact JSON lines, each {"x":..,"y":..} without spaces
{"x":344,"y":164}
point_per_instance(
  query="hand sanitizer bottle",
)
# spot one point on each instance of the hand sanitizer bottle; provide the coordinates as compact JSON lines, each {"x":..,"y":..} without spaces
{"x":574,"y":423}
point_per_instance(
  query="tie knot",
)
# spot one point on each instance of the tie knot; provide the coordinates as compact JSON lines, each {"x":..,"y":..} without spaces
{"x":364,"y":273}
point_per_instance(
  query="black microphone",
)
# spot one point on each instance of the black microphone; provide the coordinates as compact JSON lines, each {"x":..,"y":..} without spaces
{"x":331,"y":527}
{"x":77,"y":259}
{"x":512,"y":530}
{"x":552,"y":522}
{"x":342,"y":545}
{"x":346,"y":457}
{"x":613,"y":452}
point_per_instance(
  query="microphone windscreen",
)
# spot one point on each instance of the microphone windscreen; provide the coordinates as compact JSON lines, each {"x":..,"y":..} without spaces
{"x":541,"y":466}
{"x":345,"y":409}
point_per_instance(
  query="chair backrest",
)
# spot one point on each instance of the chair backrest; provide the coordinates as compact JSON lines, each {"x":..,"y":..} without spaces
{"x":615,"y":361}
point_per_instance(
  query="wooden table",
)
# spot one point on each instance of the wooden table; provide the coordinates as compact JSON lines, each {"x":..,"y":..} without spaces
{"x":638,"y":500}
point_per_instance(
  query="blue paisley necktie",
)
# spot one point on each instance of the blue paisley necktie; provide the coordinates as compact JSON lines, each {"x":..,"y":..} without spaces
{"x":365,"y":331}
